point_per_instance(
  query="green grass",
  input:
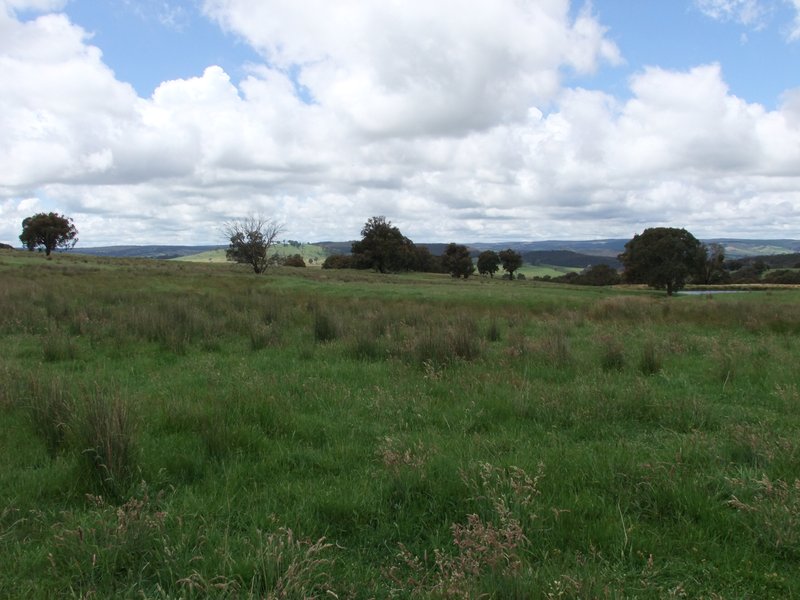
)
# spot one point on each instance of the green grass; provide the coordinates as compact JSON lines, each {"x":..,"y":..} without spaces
{"x":531,"y":271}
{"x":313,"y":255}
{"x":171,"y":429}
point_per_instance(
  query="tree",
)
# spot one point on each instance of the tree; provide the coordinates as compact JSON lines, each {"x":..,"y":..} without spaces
{"x":511,"y":260}
{"x":600,"y":274}
{"x":457,"y":261}
{"x":712,"y":264}
{"x":48,"y":231}
{"x":488,"y":263}
{"x":425,"y":261}
{"x":383,"y":247}
{"x":250,"y":240}
{"x":663,"y":258}
{"x":295,"y":260}
{"x":338,"y":261}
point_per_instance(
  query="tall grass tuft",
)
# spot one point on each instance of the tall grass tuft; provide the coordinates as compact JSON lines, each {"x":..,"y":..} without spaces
{"x":51,"y":407}
{"x":439,"y":345}
{"x":487,"y":549}
{"x":612,"y":354}
{"x":58,"y":346}
{"x":110,"y":547}
{"x":771,"y":510}
{"x":326,"y":327}
{"x":650,"y":362}
{"x":10,"y":386}
{"x":365,"y":345}
{"x":290,"y":567}
{"x":263,"y":335}
{"x":105,"y":432}
{"x":555,"y":348}
{"x":493,"y":332}
{"x":464,"y":338}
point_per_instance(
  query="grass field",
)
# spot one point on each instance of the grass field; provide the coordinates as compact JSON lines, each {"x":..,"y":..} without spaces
{"x":313,"y":255}
{"x":531,"y":271}
{"x":172,"y":430}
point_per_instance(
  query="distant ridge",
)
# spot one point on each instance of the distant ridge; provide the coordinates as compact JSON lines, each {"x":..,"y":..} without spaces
{"x":568,"y":253}
{"x":162,"y":252}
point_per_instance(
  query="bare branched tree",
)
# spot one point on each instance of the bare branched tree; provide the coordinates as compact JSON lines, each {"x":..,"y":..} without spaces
{"x":250,"y":239}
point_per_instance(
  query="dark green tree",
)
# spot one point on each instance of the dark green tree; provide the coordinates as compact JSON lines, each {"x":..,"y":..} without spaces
{"x":511,"y":261}
{"x":338,"y":261}
{"x":600,"y":274}
{"x":49,"y":231}
{"x":425,"y":261}
{"x":457,"y":261}
{"x":295,"y":260}
{"x":383,"y":247}
{"x":250,"y":240}
{"x":488,"y":263}
{"x":662,"y":257}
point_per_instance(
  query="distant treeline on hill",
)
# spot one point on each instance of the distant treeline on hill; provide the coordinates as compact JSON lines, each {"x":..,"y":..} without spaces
{"x":775,"y":261}
{"x":776,"y":254}
{"x":568,"y":258}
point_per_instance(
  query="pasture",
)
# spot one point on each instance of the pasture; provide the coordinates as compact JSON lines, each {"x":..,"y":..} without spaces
{"x":172,"y":429}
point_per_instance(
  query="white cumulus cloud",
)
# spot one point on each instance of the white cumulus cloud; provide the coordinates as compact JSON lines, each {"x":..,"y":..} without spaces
{"x":455,"y":124}
{"x":421,"y":67}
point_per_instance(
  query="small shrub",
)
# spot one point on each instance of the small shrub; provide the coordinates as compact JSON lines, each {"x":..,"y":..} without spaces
{"x":295,"y":260}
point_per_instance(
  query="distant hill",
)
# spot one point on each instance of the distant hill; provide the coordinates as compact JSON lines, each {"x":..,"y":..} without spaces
{"x":336,"y":247}
{"x":568,"y":253}
{"x":609,"y":247}
{"x":312,"y":254}
{"x":741,"y":248}
{"x":163,"y":252}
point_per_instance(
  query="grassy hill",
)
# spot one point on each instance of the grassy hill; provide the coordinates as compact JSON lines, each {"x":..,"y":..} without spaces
{"x":151,"y":251}
{"x":312,"y":254}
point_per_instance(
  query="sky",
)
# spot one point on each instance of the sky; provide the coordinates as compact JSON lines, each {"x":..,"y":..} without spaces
{"x":158,"y":121}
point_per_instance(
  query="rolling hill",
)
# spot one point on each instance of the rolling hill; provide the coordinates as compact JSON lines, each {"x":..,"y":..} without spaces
{"x":560,"y":253}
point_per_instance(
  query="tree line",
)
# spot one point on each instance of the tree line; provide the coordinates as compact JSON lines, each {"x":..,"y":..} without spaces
{"x":662,"y":257}
{"x":385,"y":249}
